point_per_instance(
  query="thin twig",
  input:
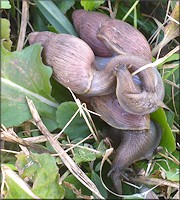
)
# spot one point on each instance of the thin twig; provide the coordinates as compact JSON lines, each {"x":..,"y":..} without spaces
{"x":171,"y":159}
{"x":67,"y":160}
{"x":153,"y":181}
{"x":110,"y":9}
{"x":116,"y":6}
{"x":24,"y":20}
{"x":10,"y":136}
{"x":78,"y":102}
{"x":157,"y":62}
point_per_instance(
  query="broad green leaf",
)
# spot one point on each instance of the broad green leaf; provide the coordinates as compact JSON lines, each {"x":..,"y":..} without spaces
{"x":168,"y":140}
{"x":91,"y":4}
{"x":173,"y":175}
{"x":42,"y":170}
{"x":24,"y":74}
{"x":97,"y":181}
{"x":77,"y":128}
{"x":55,"y":17}
{"x":83,"y":155}
{"x":16,"y":187}
{"x":65,"y":5}
{"x":59,"y":92}
{"x":5,"y":4}
{"x":5,"y":33}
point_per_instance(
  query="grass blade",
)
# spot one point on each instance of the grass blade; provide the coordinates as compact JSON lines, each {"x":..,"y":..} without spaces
{"x":55,"y":17}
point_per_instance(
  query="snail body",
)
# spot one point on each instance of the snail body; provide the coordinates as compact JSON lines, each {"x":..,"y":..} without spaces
{"x":133,"y":98}
{"x":134,"y":146}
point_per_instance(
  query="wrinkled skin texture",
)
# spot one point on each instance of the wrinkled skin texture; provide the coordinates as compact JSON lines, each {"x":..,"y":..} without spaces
{"x":133,"y":98}
{"x":133,"y":146}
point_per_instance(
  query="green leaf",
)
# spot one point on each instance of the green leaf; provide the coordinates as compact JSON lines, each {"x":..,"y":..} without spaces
{"x":173,"y":175}
{"x":5,"y":4}
{"x":42,"y":170}
{"x":91,"y":4}
{"x":73,"y":182}
{"x":5,"y":33}
{"x":77,"y":128}
{"x":65,"y":5}
{"x":83,"y":155}
{"x":24,"y":74}
{"x":59,"y":92}
{"x":16,"y":187}
{"x":168,"y":140}
{"x":173,"y":57}
{"x":97,"y":181}
{"x":55,"y":17}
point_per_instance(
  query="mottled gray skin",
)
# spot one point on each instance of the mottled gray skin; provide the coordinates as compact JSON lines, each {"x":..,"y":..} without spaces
{"x":134,"y":146}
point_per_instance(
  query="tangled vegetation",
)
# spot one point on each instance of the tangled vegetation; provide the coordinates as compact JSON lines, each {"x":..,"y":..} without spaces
{"x":53,"y":146}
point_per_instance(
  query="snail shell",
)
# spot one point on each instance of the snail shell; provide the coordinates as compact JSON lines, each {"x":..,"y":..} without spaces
{"x":87,"y":24}
{"x":123,"y":38}
{"x":114,"y":115}
{"x":72,"y":61}
{"x":107,"y":36}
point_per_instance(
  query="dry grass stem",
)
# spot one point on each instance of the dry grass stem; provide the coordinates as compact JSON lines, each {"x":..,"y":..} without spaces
{"x":172,"y":159}
{"x":10,"y":151}
{"x":66,"y":159}
{"x":78,"y":102}
{"x":153,"y":181}
{"x":24,"y":20}
{"x":75,"y":145}
{"x":10,"y":136}
{"x":76,"y":191}
{"x":67,"y":124}
{"x":37,"y":139}
{"x":158,"y":61}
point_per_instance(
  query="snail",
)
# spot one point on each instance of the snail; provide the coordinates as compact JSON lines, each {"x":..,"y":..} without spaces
{"x":134,"y":146}
{"x":123,"y":39}
{"x":75,"y":66}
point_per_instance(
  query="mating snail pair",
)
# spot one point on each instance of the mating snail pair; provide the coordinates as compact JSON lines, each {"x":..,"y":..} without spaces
{"x":99,"y":66}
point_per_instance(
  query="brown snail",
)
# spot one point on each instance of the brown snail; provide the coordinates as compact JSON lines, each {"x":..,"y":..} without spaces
{"x":123,"y":39}
{"x":75,"y":65}
{"x":134,"y":136}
